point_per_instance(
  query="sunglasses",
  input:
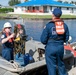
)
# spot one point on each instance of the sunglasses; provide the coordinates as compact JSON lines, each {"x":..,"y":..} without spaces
{"x":8,"y":27}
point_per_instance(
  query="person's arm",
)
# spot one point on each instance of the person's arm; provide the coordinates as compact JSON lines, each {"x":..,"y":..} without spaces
{"x":66,"y":34}
{"x":6,"y":39}
{"x":44,"y":36}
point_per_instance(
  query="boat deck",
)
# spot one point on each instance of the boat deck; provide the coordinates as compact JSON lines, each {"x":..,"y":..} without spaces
{"x":72,"y":71}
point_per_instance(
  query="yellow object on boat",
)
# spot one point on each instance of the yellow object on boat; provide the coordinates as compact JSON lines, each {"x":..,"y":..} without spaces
{"x":17,"y":39}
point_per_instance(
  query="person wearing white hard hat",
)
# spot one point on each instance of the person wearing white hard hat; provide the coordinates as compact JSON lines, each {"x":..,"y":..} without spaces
{"x":7,"y":42}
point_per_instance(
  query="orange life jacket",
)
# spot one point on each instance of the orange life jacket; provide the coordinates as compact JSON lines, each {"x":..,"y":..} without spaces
{"x":59,"y":24}
{"x":8,"y":34}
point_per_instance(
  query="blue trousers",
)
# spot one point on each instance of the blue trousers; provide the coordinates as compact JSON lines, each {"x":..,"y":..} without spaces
{"x":54,"y":57}
{"x":7,"y":53}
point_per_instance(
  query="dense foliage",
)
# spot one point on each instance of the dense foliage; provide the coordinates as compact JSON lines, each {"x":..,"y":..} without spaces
{"x":14,"y":2}
{"x":6,"y":10}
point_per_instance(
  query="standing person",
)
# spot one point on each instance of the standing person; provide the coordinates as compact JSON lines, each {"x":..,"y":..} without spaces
{"x":7,"y":42}
{"x":54,"y":35}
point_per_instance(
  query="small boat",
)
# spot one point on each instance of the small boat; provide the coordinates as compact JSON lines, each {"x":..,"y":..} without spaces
{"x":36,"y":50}
{"x":72,"y":48}
{"x":32,"y":47}
{"x":10,"y":17}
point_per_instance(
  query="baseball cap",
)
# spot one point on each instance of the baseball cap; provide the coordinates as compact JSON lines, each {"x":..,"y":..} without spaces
{"x":57,"y":12}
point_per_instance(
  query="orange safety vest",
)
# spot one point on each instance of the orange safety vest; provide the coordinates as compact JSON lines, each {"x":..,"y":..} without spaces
{"x":10,"y":40}
{"x":59,"y":24}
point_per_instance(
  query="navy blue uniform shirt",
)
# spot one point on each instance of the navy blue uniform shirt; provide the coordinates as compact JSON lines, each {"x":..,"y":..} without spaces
{"x":49,"y":34}
{"x":6,"y":44}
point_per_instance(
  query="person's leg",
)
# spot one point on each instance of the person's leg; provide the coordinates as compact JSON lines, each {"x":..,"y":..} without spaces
{"x":6,"y":54}
{"x":11,"y":54}
{"x":50,"y":57}
{"x":51,"y":65}
{"x":61,"y":65}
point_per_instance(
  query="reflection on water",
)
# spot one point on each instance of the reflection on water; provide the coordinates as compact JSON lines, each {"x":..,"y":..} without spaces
{"x":34,"y":27}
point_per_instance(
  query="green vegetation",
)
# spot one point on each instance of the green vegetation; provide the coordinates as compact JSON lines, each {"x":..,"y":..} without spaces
{"x":68,"y":16}
{"x":36,"y":16}
{"x":5,"y":10}
{"x":46,"y":16}
{"x":14,"y":2}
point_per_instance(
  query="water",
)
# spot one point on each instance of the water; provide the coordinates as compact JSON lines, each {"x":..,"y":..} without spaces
{"x":34,"y":28}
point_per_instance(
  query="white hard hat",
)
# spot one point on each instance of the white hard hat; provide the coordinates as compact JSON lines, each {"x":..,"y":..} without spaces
{"x":7,"y":24}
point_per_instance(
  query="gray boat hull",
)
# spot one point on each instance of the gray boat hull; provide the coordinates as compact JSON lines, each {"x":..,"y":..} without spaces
{"x":8,"y":68}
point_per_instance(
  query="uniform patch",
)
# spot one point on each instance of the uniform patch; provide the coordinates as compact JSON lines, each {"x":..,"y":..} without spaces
{"x":2,"y":36}
{"x":53,"y":31}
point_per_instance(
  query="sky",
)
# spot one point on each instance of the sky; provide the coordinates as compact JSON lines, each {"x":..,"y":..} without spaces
{"x":5,"y":2}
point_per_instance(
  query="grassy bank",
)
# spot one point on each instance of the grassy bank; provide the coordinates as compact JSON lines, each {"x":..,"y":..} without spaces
{"x":36,"y":16}
{"x":47,"y":16}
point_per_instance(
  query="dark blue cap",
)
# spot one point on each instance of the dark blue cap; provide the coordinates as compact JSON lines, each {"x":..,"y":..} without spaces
{"x":57,"y":12}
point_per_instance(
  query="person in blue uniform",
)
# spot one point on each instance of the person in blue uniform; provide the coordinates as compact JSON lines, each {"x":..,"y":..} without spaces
{"x":54,"y":34}
{"x":7,"y":42}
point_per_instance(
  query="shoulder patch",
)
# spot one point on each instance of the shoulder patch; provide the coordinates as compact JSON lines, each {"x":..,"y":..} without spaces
{"x":2,"y":36}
